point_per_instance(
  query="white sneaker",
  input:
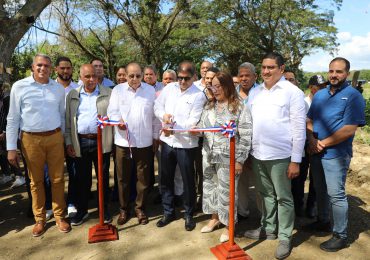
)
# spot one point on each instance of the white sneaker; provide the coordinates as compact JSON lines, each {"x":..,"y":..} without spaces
{"x":49,"y":214}
{"x":72,"y":211}
{"x":5,"y":179}
{"x":19,"y":181}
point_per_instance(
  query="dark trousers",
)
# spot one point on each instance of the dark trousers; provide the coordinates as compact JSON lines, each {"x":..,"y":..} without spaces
{"x":298,"y":186}
{"x":142,"y":158}
{"x":72,"y":187}
{"x":199,"y":169}
{"x":89,"y":156}
{"x":184,"y":157}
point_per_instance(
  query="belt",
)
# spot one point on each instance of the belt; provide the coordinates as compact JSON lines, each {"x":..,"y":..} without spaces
{"x":46,"y":133}
{"x":88,"y":136}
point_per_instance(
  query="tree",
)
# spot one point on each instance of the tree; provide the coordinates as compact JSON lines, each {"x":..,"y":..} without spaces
{"x":15,"y":20}
{"x":148,"y":25}
{"x":255,"y":27}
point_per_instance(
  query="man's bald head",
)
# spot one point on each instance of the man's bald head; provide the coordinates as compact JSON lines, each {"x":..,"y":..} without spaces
{"x":134,"y":75}
{"x":88,"y":77}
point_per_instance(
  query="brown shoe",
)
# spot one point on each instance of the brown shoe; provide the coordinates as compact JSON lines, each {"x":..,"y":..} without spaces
{"x":141,"y":217}
{"x":39,"y":228}
{"x":63,"y":225}
{"x":122,"y":218}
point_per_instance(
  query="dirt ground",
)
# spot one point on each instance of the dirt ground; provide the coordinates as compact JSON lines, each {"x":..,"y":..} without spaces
{"x":173,"y":242}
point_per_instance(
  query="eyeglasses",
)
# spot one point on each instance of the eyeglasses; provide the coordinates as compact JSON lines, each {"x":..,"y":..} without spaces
{"x":132,"y":76}
{"x":183,"y":78}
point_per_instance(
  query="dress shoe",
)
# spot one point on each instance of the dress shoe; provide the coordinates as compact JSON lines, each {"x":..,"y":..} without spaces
{"x":63,"y":225}
{"x":209,"y":228}
{"x":39,"y":228}
{"x":335,"y":243}
{"x":79,"y":218}
{"x":318,"y":226}
{"x":189,"y":223}
{"x":122,"y":218}
{"x":260,"y":233}
{"x":283,"y":250}
{"x":141,"y":217}
{"x":165,"y":220}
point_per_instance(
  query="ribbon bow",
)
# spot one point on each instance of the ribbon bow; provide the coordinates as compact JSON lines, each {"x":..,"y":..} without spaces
{"x":229,"y":129}
{"x":103,"y":121}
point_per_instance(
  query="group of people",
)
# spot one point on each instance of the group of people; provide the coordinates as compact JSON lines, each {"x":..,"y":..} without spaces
{"x":57,"y":120}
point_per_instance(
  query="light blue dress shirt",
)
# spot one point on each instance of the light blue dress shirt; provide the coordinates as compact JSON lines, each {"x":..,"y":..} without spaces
{"x":87,"y":112}
{"x":34,"y":107}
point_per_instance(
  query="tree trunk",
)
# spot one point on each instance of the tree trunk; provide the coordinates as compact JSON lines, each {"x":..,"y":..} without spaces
{"x":12,"y":29}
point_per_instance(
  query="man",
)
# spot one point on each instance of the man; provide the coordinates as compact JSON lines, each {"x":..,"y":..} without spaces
{"x":333,"y":118}
{"x":315,"y":83}
{"x":99,"y":70}
{"x":247,"y":77}
{"x":37,"y":106}
{"x":121,"y":76}
{"x":247,"y":80}
{"x":204,"y":67}
{"x":132,"y":104}
{"x":64,"y":70}
{"x":179,"y":105}
{"x":289,"y":76}
{"x":278,"y":113}
{"x":168,"y":77}
{"x":150,"y":77}
{"x":210,"y":74}
{"x":83,"y":106}
{"x":236,"y":81}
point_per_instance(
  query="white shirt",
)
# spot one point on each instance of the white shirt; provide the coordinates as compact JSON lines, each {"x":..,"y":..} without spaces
{"x":72,"y":85}
{"x":199,"y":84}
{"x":279,"y":121}
{"x":136,"y":109}
{"x":186,"y":108}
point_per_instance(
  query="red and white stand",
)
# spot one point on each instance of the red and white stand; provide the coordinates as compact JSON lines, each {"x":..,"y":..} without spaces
{"x":230,"y":250}
{"x":101,"y":232}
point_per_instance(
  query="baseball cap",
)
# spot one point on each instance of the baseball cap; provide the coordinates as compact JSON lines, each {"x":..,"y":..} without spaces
{"x":317,"y":80}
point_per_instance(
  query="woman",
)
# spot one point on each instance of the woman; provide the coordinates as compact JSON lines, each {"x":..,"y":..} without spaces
{"x":225,"y":106}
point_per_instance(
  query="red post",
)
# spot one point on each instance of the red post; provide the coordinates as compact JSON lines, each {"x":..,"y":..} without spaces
{"x":231,"y":250}
{"x":100,"y":178}
{"x":232,"y":191}
{"x":101,"y":232}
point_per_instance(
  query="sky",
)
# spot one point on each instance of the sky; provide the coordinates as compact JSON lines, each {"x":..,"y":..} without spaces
{"x":353,"y":24}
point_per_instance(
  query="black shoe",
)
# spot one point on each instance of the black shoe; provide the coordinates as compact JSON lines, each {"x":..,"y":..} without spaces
{"x":318,"y":226}
{"x":241,"y":217}
{"x":165,"y":220}
{"x":334,"y":244}
{"x":189,"y":223}
{"x":79,"y":218}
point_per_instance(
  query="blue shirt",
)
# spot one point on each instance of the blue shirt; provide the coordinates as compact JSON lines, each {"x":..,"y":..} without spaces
{"x":330,"y":113}
{"x":87,"y":112}
{"x":34,"y":107}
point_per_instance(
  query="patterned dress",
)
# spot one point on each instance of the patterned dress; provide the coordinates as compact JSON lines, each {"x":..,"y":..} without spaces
{"x":216,"y":158}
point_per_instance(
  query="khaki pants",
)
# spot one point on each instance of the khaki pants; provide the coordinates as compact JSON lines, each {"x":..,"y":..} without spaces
{"x":38,"y":151}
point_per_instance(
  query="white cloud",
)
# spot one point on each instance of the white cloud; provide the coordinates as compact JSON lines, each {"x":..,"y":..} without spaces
{"x":344,"y":36}
{"x":354,"y":48}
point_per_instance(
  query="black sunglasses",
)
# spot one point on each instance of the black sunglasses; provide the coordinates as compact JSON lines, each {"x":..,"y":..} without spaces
{"x":183,"y":78}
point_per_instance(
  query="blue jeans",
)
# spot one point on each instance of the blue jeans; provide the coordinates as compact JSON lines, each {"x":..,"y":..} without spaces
{"x":329,"y":176}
